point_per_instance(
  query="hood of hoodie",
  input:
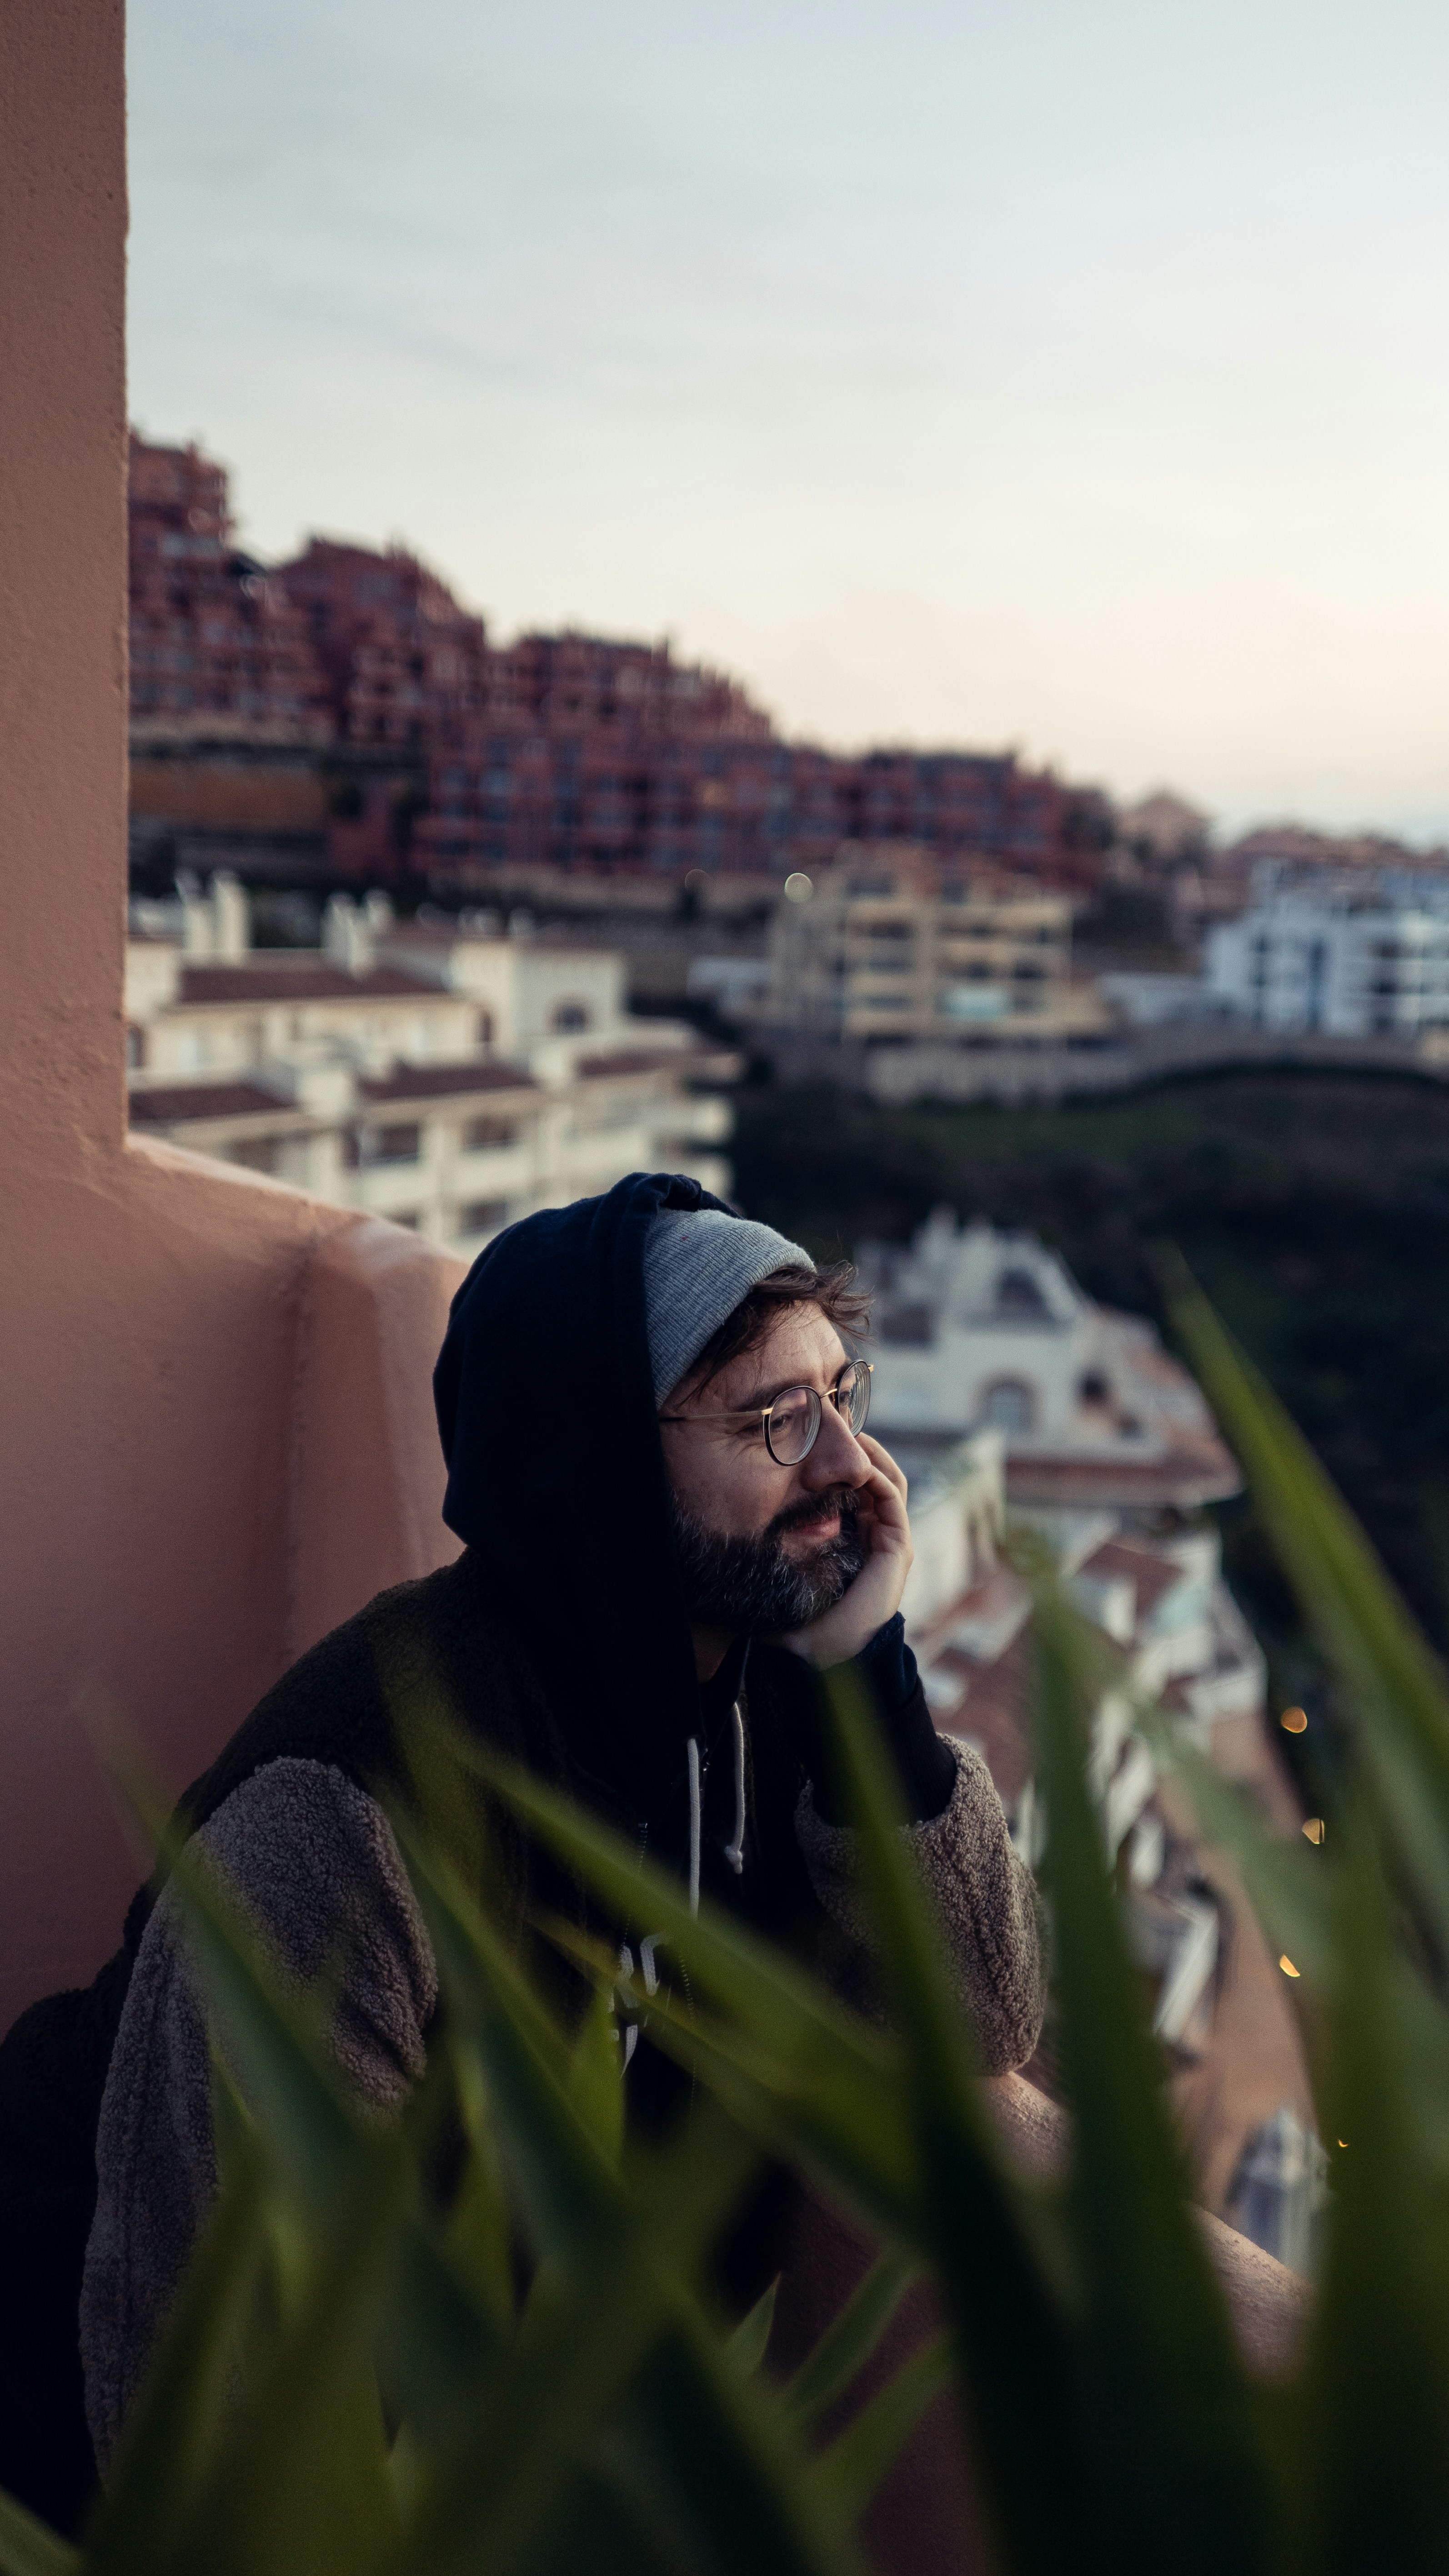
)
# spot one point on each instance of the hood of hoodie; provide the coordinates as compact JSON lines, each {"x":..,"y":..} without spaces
{"x":556,"y":1481}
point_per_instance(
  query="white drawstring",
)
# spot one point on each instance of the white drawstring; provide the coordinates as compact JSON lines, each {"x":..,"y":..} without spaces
{"x":734,"y":1854}
{"x":735,"y":1851}
{"x":694,"y":1824}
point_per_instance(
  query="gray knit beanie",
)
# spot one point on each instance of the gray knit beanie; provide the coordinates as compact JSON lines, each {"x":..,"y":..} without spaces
{"x":698,"y":1264}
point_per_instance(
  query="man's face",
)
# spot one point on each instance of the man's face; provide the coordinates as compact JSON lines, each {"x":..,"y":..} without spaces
{"x":765,"y":1548}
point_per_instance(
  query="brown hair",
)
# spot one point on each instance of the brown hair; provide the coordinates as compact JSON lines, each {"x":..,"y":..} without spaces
{"x":832,"y":1289}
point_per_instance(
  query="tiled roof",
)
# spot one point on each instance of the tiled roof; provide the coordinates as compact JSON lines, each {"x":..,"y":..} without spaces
{"x":1154,"y":1576}
{"x":442,"y":1081}
{"x":308,"y":981}
{"x":598,"y":1068}
{"x":1205,"y":1473}
{"x":167,"y":1104}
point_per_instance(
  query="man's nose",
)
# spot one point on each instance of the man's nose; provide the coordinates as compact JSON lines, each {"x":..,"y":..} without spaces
{"x":837,"y":1457}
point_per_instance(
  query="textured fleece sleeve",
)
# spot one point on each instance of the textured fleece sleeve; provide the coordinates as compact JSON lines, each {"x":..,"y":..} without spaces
{"x":924,"y":1769}
{"x":984,"y":1898}
{"x":314,"y":1862}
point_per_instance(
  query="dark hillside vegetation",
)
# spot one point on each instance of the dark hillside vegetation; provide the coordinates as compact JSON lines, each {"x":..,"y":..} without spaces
{"x":1312,"y":1206}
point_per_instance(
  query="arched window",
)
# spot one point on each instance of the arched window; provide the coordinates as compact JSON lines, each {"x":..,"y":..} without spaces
{"x":1017,"y":1293}
{"x":483,"y":1026}
{"x":1009,"y":1405}
{"x":569,"y":1017}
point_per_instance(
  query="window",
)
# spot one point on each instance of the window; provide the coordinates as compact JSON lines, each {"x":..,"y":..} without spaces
{"x":135,"y":1048}
{"x":481,"y":1216}
{"x":483,"y":1028}
{"x":1009,"y":1405}
{"x":1092,"y":1387}
{"x":480,"y":1134}
{"x":569,"y":1018}
{"x":907,"y":1327}
{"x":396,"y":1145}
{"x":1018,"y":1294}
{"x":256,"y":1153}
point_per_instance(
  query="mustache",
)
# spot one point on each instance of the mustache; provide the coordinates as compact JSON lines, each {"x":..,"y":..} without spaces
{"x":813,"y":1507}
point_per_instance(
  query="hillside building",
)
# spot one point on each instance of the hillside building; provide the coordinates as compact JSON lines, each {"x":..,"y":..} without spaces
{"x":445,"y":1076}
{"x":1149,"y":1580}
{"x":886,"y":947}
{"x":983,"y":1330}
{"x":442,"y":754}
{"x":1351,"y":956}
{"x":217,"y":646}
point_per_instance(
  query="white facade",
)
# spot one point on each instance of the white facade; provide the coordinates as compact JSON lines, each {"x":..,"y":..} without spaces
{"x":1179,"y":1639}
{"x":978,"y":1329}
{"x":1348,"y":959}
{"x":449,"y":1079}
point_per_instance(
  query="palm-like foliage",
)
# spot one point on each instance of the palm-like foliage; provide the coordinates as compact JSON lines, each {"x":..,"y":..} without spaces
{"x":530,"y":2374}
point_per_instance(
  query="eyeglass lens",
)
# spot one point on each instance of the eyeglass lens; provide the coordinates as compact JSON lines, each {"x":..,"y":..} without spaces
{"x":794,"y":1419}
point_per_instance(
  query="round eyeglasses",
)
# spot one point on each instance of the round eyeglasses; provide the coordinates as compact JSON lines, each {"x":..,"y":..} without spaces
{"x":791,"y":1424}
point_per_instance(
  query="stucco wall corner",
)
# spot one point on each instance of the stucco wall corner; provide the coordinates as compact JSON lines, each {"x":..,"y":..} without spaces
{"x":366,"y":1469}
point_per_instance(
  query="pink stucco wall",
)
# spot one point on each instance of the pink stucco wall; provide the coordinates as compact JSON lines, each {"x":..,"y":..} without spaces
{"x":215,"y":1422}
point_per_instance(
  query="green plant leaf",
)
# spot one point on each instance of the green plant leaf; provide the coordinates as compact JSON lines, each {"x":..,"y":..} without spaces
{"x":751,"y":2337}
{"x":611,"y":2288}
{"x":28,"y":2547}
{"x":850,"y":2339}
{"x":173,"y":2426}
{"x":860,"y":2457}
{"x":731,"y":2480}
{"x":794,"y":2056}
{"x":1176,"y":2440}
{"x":437,"y":2341}
{"x":596,"y":2076}
{"x":302,"y":2485}
{"x":1377,"y":2374}
{"x":1011,"y":2339}
{"x":1395,"y":1685}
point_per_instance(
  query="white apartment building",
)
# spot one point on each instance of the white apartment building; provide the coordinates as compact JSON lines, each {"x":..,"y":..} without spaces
{"x":1150,"y":1580}
{"x":881,"y":947}
{"x":978,"y":1329}
{"x":440,"y":1074}
{"x":1351,"y":957}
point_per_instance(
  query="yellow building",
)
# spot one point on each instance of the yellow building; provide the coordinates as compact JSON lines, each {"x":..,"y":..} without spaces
{"x":883,"y":945}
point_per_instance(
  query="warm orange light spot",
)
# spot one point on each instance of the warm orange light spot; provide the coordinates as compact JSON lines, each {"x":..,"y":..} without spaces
{"x":1294,"y":1721}
{"x":1315,"y":1829}
{"x":1286,"y":1964}
{"x":1343,"y":2142}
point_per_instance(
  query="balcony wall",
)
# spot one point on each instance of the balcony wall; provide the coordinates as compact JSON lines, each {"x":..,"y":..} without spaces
{"x":214,"y":1409}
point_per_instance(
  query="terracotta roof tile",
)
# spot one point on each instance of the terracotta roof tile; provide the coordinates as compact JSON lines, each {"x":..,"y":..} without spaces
{"x":1204,"y":1473}
{"x":598,"y":1068}
{"x":310,"y":980}
{"x":169,"y":1103}
{"x":444,"y":1081}
{"x":1153,"y":1575}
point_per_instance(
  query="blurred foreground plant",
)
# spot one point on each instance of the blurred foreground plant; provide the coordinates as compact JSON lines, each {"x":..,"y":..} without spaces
{"x":367,"y":2376}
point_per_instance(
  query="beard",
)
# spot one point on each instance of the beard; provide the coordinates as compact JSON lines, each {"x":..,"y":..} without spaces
{"x":751,"y":1587}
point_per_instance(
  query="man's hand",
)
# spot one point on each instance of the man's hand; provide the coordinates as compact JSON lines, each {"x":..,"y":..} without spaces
{"x":875,"y":1595}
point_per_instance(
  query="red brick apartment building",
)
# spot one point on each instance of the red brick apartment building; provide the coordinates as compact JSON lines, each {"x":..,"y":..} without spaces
{"x":346,"y":707}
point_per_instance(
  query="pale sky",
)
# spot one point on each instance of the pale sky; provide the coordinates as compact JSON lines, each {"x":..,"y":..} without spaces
{"x":1069,"y":376}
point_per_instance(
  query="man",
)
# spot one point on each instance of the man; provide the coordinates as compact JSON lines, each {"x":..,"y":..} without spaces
{"x":672,"y":1518}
